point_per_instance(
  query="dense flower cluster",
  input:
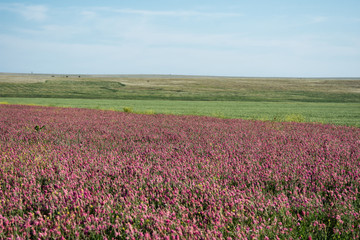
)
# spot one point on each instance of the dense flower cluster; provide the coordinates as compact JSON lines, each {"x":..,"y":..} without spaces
{"x":78,"y":173}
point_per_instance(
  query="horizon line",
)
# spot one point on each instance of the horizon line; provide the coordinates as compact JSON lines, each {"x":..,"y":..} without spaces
{"x":170,"y":74}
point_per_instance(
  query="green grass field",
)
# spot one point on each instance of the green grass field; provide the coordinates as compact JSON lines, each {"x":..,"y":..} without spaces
{"x":335,"y":101}
{"x":334,"y":113}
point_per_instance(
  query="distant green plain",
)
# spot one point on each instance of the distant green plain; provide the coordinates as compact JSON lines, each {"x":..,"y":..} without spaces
{"x":334,"y":101}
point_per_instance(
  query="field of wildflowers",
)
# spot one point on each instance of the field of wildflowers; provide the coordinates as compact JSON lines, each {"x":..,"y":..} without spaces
{"x":93,"y":174}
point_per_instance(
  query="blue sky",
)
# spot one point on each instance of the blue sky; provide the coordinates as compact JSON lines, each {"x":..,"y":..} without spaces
{"x":277,"y":38}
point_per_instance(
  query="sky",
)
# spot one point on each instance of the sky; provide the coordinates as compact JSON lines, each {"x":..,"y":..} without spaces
{"x":249,"y":38}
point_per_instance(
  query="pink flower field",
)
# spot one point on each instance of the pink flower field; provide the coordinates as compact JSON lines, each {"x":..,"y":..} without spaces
{"x":93,"y":174}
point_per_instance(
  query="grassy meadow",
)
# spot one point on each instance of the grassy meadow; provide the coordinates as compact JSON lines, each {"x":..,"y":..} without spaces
{"x":335,"y":101}
{"x":334,"y":113}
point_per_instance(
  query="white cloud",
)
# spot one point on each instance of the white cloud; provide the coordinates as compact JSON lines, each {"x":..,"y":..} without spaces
{"x":178,"y":13}
{"x":88,"y":14}
{"x":272,"y":58}
{"x":319,"y":19}
{"x":29,"y":12}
